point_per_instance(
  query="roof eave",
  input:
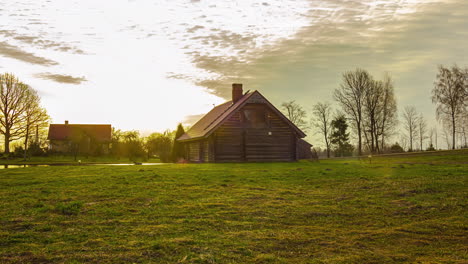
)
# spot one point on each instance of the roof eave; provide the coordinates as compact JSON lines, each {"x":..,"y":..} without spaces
{"x":192,"y":139}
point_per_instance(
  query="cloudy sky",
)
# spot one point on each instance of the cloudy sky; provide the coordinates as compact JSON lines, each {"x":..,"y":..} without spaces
{"x":149,"y":64}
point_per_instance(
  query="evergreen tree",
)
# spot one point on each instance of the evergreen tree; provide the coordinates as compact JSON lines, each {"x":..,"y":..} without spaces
{"x":340,"y":137}
{"x":177,"y":148}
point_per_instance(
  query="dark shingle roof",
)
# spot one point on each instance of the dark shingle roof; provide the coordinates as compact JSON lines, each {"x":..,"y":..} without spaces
{"x":209,"y":122}
{"x":66,"y":131}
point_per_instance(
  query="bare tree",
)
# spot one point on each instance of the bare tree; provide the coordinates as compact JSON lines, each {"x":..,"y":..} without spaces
{"x":388,"y":115}
{"x":14,"y":101}
{"x":463,"y":129}
{"x":322,"y":120}
{"x":295,"y":114}
{"x":446,"y":135}
{"x":379,"y":111}
{"x":372,"y":104}
{"x":403,"y":141}
{"x":450,"y":96}
{"x":410,"y":117}
{"x":351,"y":95}
{"x":35,"y":117}
{"x":422,"y":130}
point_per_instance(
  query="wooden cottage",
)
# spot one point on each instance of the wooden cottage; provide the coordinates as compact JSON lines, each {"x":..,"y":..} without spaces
{"x":247,"y":129}
{"x":83,"y":138}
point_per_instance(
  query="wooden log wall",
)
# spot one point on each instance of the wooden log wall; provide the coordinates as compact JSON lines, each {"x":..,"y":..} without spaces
{"x":200,"y":151}
{"x":194,"y":151}
{"x":237,"y":141}
{"x":228,"y":139}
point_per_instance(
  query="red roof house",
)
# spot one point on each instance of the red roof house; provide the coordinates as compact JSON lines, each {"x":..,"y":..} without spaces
{"x":88,"y":137}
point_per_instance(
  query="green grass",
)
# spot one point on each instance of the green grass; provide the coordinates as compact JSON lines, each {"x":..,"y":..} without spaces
{"x":395,"y":210}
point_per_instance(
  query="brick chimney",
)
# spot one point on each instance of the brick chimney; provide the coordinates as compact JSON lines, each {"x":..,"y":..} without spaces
{"x":66,"y":122}
{"x":236,"y":92}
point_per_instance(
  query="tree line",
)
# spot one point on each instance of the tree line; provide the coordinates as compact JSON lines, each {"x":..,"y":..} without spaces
{"x":370,"y":109}
{"x":129,"y":144}
{"x":366,"y":110}
{"x":23,"y":119}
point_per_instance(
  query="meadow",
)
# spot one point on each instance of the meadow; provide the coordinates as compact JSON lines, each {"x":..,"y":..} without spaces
{"x":398,"y":209}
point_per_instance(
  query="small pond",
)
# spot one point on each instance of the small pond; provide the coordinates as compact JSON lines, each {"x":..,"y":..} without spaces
{"x":5,"y":166}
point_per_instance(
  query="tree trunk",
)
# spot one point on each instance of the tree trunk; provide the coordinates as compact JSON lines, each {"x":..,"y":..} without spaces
{"x":453,"y":131}
{"x":7,"y":142}
{"x":375,"y":136}
{"x":382,"y":142}
{"x":411,"y":141}
{"x":26,"y":142}
{"x":359,"y":139}
{"x":328,"y":147}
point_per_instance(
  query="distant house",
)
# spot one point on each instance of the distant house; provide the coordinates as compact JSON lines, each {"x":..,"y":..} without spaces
{"x":84,"y":138}
{"x":246,"y":129}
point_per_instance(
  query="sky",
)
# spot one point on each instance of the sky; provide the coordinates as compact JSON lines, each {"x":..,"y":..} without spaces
{"x":149,"y":64}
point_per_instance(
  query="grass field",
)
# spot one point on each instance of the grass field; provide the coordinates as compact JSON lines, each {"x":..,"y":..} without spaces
{"x":408,"y":209}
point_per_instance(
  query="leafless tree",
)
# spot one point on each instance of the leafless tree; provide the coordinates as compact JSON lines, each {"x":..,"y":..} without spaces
{"x":446,"y":135}
{"x":403,"y":141}
{"x":388,"y":115}
{"x":422,"y":130}
{"x":450,"y":95}
{"x":13,"y":105}
{"x":410,"y":119}
{"x":35,"y":117}
{"x":463,"y":129}
{"x":20,"y":110}
{"x":380,"y":113}
{"x":351,"y":97}
{"x":295,"y":114}
{"x":372,"y":103}
{"x":322,"y":120}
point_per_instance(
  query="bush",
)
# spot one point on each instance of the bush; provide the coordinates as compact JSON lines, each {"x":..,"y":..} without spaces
{"x":430,"y":148}
{"x":35,"y":149}
{"x":396,"y":148}
{"x":18,"y":153}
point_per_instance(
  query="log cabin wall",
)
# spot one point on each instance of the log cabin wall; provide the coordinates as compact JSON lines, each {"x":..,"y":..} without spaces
{"x":193,"y":154}
{"x":211,"y":149}
{"x":206,"y":151}
{"x":255,"y":133}
{"x":200,"y":150}
{"x":228,"y":140}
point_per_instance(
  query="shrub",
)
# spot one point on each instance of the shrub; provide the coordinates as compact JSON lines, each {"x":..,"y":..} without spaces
{"x":430,"y":148}
{"x":396,"y":148}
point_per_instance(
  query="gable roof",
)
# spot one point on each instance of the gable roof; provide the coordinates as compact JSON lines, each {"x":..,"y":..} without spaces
{"x":216,"y":117}
{"x":66,"y":131}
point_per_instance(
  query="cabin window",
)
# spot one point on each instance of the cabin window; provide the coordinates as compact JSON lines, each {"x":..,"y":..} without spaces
{"x":255,"y":118}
